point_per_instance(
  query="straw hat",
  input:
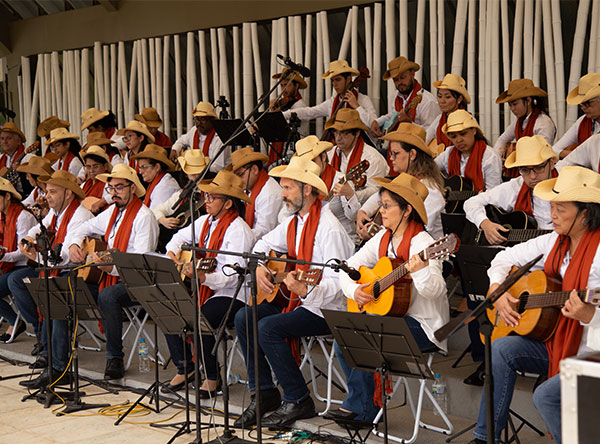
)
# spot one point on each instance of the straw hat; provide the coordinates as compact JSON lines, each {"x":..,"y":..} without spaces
{"x":573,"y":184}
{"x":459,"y":120}
{"x":295,"y":77}
{"x":588,"y":88}
{"x":312,"y":147}
{"x":520,"y":88}
{"x":226,"y":183}
{"x":193,"y":161}
{"x":47,"y":125}
{"x":338,"y":67}
{"x":38,"y":166}
{"x":150,"y":117}
{"x":138,"y":127}
{"x":5,"y":185}
{"x":244,"y":156}
{"x":60,"y":134}
{"x":10,"y":127}
{"x":408,"y":188}
{"x":95,"y":150}
{"x":204,"y":109}
{"x":157,"y":153}
{"x":454,"y":82}
{"x":91,"y":116}
{"x":411,"y":134}
{"x":347,"y":119}
{"x":122,"y":171}
{"x":530,"y":151}
{"x":436,"y":148}
{"x":302,"y":170}
{"x":97,"y":138}
{"x":66,"y":180}
{"x":398,"y":66}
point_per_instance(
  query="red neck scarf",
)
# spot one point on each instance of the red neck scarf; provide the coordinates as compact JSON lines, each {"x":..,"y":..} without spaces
{"x":567,"y":337}
{"x":398,"y":102}
{"x":207,"y":141}
{"x":133,"y":162}
{"x":439,"y":134}
{"x":8,"y":233}
{"x":355,"y":156}
{"x":161,"y":139}
{"x":60,"y":235}
{"x":528,"y":131}
{"x":63,"y":164}
{"x":215,"y":242}
{"x":4,"y":158}
{"x":109,"y":132}
{"x":256,"y":189}
{"x":525,"y":197}
{"x":336,"y":101}
{"x":93,"y":188}
{"x":328,"y":175}
{"x":150,"y":189}
{"x":276,"y":152}
{"x":473,"y":169}
{"x":584,"y":131}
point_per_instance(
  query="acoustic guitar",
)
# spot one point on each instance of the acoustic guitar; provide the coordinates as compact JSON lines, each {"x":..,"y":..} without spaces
{"x":203,"y":265}
{"x":539,"y":301}
{"x":457,"y":189}
{"x":93,"y":275}
{"x":392,"y":123}
{"x":391,"y":293}
{"x":356,"y":175}
{"x":521,"y":225}
{"x":11,"y":174}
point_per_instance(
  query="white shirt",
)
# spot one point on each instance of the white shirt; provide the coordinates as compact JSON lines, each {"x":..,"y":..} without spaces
{"x":238,"y":237}
{"x":163,"y":190}
{"x":25,"y":222}
{"x":164,"y":209}
{"x":426,"y":111}
{"x":504,"y":196}
{"x":331,"y":241}
{"x":75,"y":166}
{"x":570,"y":137}
{"x":267,"y":205}
{"x":345,"y":210}
{"x":186,"y":142}
{"x":304,"y":125}
{"x":429,"y":302}
{"x":586,"y":155}
{"x":544,"y":126}
{"x":30,"y":200}
{"x":491,"y":166}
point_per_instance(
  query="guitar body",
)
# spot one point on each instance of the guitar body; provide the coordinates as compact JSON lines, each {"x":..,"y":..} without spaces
{"x":509,"y":173}
{"x":92,"y":275}
{"x":521,"y":225}
{"x":280,"y":293}
{"x":455,"y":186}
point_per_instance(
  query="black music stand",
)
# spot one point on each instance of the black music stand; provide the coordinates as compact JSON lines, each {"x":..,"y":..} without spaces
{"x":226,"y":128}
{"x":273,"y":128}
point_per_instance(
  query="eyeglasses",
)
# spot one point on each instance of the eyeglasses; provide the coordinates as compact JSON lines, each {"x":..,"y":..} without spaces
{"x":393,"y":154}
{"x":202,"y":119}
{"x":387,"y":206}
{"x":117,"y":188}
{"x":212,"y":197}
{"x":145,"y":167}
{"x":589,"y":103}
{"x":94,"y":167}
{"x":525,"y":171}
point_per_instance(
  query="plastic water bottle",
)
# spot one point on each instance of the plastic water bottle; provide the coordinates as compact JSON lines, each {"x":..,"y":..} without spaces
{"x":143,"y":358}
{"x":438,"y":389}
{"x":233,"y":379}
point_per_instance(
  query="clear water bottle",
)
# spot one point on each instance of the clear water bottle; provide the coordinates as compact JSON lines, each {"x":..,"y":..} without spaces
{"x":143,"y":357}
{"x":438,"y":389}
{"x":233,"y":379}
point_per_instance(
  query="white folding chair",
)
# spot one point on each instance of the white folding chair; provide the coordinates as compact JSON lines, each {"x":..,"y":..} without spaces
{"x":11,"y":302}
{"x":86,"y":329}
{"x":234,"y":349}
{"x":136,"y":325}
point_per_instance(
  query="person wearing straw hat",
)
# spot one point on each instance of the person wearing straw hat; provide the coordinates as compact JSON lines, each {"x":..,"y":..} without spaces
{"x":412,"y":102}
{"x":340,"y":73}
{"x":136,"y":137}
{"x":311,"y":233}
{"x":99,"y":139}
{"x":130,"y":227}
{"x":96,"y":162}
{"x":47,"y":125}
{"x":36,"y":166}
{"x":587,"y":95}
{"x":150,"y":117}
{"x":403,"y":217}
{"x":202,"y":136}
{"x":95,"y":120}
{"x":222,"y":228}
{"x":66,"y":214}
{"x":586,"y":155}
{"x":470,"y":156}
{"x":12,"y":142}
{"x":154,"y":167}
{"x":570,"y":254}
{"x":66,"y":146}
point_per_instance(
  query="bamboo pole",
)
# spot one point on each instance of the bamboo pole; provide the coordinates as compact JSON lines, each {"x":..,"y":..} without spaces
{"x":85,"y":79}
{"x":283,"y":37}
{"x":593,"y":58}
{"x":106,"y":77}
{"x":140,"y":76}
{"x":57,"y":83}
{"x":290,"y":37}
{"x":113,"y":76}
{"x":298,"y":38}
{"x":390,"y":44}
{"x":308,"y":53}
{"x":21,"y":101}
{"x":35,"y":105}
{"x":27,"y":99}
{"x":420,"y":39}
{"x":145,"y":74}
{"x":559,"y":66}
{"x":122,"y":116}
{"x":158,"y":55}
{"x":377,"y":19}
{"x":471,"y":55}
{"x":132,"y":82}
{"x":481,"y":87}
{"x":505,"y":58}
{"x":214,"y":59}
{"x":52,"y":89}
{"x":577,"y":53}
{"x":274,"y":49}
{"x":121,"y":102}
{"x":458,"y":49}
{"x":98,"y":77}
{"x":166,"y":116}
{"x":403,"y":28}
{"x":495,"y":62}
{"x":518,"y":32}
{"x":441,"y":40}
{"x":369,"y":46}
{"x":354,"y":37}
{"x":77,"y":55}
{"x":193,"y":80}
{"x":549,"y":53}
{"x":326,"y":53}
{"x":319,"y":68}
{"x":224,"y":80}
{"x":343,"y":54}
{"x":152,"y":67}
{"x":433,"y":42}
{"x":189,"y":104}
{"x":528,"y":39}
{"x":237,"y":87}
{"x":257,"y":64}
{"x":203,"y":66}
{"x":66,"y":88}
{"x":47,"y":96}
{"x":537,"y":44}
{"x":178,"y":81}
{"x":247,"y":73}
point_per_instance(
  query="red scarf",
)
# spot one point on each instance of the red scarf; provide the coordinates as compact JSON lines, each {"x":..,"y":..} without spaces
{"x":4,"y":158}
{"x":122,"y":237}
{"x":60,"y":235}
{"x":207,"y":141}
{"x":327,"y":176}
{"x":109,"y":132}
{"x":256,"y":189}
{"x":528,"y":131}
{"x":584,"y":131}
{"x":567,"y":337}
{"x":398,"y":103}
{"x":355,"y":156}
{"x":215,"y":242}
{"x":133,"y":162}
{"x":150,"y":189}
{"x":8,"y":233}
{"x":439,"y":134}
{"x":64,"y":163}
{"x":336,"y":102}
{"x":473,"y":169}
{"x":161,"y":139}
{"x":93,"y":188}
{"x":305,"y":252}
{"x":525,"y":197}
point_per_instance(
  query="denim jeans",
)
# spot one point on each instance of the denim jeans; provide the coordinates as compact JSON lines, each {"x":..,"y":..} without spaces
{"x":547,"y":401}
{"x":23,"y":299}
{"x":60,"y":343}
{"x":176,"y":349}
{"x":509,"y":354}
{"x":6,"y":310}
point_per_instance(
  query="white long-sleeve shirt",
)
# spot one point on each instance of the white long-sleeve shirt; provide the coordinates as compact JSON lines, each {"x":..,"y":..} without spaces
{"x":570,"y":137}
{"x":163,"y":190}
{"x":429,"y":302}
{"x":266,"y":208}
{"x":30,"y":200}
{"x":586,"y":155}
{"x":25,"y":222}
{"x":544,"y":126}
{"x":186,"y":142}
{"x":75,"y":167}
{"x":491,"y":165}
{"x":331,"y":241}
{"x":426,"y":111}
{"x":504,"y":196}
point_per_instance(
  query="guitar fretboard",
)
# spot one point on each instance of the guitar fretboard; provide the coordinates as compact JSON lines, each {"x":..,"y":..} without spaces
{"x":521,"y":235}
{"x":460,"y":195}
{"x":554,"y":299}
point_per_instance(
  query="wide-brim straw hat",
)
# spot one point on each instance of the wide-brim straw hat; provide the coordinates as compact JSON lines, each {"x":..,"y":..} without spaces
{"x":95,"y":150}
{"x":454,"y":82}
{"x":435,"y":147}
{"x":66,"y":180}
{"x":122,"y":171}
{"x":193,"y":161}
{"x":408,"y":188}
{"x":226,"y":183}
{"x":52,"y":122}
{"x":530,"y":151}
{"x":347,"y":119}
{"x":573,"y":184}
{"x":338,"y":67}
{"x":204,"y":109}
{"x":138,"y":127}
{"x":5,"y":185}
{"x":412,"y":134}
{"x":58,"y":134}
{"x":157,"y":153}
{"x":312,"y":147}
{"x":303,"y":170}
{"x":96,"y":138}
{"x":244,"y":156}
{"x":12,"y":128}
{"x":92,"y":115}
{"x":295,"y":77}
{"x":150,"y":117}
{"x":398,"y":66}
{"x":460,"y":120}
{"x":38,"y":166}
{"x":519,"y":89}
{"x":588,"y":88}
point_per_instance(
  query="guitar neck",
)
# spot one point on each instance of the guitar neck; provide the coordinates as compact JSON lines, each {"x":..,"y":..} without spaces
{"x":554,"y":299}
{"x":460,"y":195}
{"x":522,"y":235}
{"x":397,"y":274}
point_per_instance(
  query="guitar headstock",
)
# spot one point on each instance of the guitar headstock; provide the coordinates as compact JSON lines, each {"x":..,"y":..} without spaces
{"x":592,"y":296}
{"x":207,"y":264}
{"x":311,"y":277}
{"x":357,"y":174}
{"x":443,"y":247}
{"x":33,"y":147}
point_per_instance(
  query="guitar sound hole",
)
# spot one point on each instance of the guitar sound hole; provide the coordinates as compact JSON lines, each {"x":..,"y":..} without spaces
{"x":376,"y":290}
{"x":522,"y":303}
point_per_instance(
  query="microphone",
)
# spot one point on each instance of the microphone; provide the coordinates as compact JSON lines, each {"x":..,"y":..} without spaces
{"x":303,"y":70}
{"x":9,"y":112}
{"x":238,"y":268}
{"x":352,"y":272}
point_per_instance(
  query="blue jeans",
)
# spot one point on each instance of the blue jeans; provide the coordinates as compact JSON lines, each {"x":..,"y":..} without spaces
{"x":509,"y":354}
{"x":547,"y":401}
{"x":176,"y":349}
{"x":6,"y":310}
{"x":23,"y":299}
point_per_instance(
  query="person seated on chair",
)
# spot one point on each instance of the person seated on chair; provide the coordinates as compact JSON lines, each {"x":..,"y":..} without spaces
{"x":534,"y":159}
{"x":404,"y":218}
{"x":152,"y":120}
{"x":222,"y":228}
{"x":155,"y":167}
{"x":129,"y":227}
{"x":311,"y":233}
{"x":136,"y":137}
{"x":571,"y":255}
{"x":12,"y":142}
{"x":99,"y":139}
{"x":96,"y":162}
{"x":104,"y":122}
{"x":66,"y":146}
{"x":36,"y":166}
{"x":586,"y":155}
